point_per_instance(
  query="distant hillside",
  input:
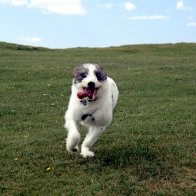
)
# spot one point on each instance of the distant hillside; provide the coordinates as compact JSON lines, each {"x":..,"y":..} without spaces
{"x":12,"y":46}
{"x":136,"y":48}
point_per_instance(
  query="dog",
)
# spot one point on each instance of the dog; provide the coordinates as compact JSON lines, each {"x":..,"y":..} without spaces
{"x":93,"y":98}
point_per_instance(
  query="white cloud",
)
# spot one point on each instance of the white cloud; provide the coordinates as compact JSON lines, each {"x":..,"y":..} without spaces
{"x":30,"y":40}
{"x":153,"y":17}
{"x":66,"y":7}
{"x":129,"y":6}
{"x":181,"y":6}
{"x":107,"y":6}
{"x":190,"y":18}
{"x":18,"y":2}
{"x":4,"y":1}
{"x":191,"y":24}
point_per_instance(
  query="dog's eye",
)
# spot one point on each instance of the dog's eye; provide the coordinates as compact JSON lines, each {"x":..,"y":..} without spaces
{"x":98,"y":75}
{"x":83,"y":75}
{"x":101,"y":76}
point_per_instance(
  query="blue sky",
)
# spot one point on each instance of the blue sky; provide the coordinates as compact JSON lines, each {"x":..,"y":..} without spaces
{"x":97,"y":23}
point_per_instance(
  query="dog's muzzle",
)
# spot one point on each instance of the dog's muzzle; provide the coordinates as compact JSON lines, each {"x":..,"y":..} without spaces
{"x":90,"y":92}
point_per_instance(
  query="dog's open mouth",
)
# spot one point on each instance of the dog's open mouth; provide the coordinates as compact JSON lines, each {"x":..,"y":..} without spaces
{"x":87,"y":92}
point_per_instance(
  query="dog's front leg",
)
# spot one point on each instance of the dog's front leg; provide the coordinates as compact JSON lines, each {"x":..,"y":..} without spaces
{"x":89,"y":141}
{"x":73,"y":136}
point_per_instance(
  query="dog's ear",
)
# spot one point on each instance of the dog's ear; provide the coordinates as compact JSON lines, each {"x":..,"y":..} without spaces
{"x":79,"y":73}
{"x":100,"y":73}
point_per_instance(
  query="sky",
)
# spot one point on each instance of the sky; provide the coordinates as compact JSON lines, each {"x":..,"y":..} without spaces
{"x":97,"y":23}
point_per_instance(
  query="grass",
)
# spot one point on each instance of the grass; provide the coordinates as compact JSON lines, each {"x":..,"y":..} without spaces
{"x":150,"y":147}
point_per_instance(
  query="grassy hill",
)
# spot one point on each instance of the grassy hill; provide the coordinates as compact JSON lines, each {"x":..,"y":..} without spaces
{"x":148,"y":149}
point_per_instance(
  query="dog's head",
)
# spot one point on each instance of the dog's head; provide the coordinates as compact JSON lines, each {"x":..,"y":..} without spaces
{"x":88,"y":79}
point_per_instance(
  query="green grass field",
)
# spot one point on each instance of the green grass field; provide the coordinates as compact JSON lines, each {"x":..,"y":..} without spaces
{"x":150,"y":147}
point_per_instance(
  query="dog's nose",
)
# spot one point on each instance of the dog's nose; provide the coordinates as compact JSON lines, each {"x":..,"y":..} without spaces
{"x":91,"y":85}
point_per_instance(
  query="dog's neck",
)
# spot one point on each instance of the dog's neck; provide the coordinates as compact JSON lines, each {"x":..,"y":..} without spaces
{"x":86,"y":101}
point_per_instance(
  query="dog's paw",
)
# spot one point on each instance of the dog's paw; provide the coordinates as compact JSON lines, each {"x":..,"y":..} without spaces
{"x":87,"y":153}
{"x":73,"y":150}
{"x":76,"y":149}
{"x":70,"y":147}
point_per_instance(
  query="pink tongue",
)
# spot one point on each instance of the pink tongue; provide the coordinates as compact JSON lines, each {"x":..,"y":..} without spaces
{"x":81,"y":95}
{"x":86,"y":93}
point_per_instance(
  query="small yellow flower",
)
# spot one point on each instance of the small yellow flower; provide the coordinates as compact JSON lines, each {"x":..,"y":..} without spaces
{"x":44,"y":94}
{"x":48,"y":169}
{"x":16,"y":159}
{"x":53,"y":104}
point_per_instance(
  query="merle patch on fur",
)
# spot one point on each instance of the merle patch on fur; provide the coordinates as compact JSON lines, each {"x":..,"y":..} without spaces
{"x":84,"y":102}
{"x":84,"y":117}
{"x":100,"y":74}
{"x":80,"y":73}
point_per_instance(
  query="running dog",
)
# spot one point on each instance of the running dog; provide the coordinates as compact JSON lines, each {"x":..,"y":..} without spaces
{"x":93,"y":98}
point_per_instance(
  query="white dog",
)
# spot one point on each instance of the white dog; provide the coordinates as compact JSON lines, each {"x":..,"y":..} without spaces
{"x":94,"y":96}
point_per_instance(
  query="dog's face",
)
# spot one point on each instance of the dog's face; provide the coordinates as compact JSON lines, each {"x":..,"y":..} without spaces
{"x":88,"y":79}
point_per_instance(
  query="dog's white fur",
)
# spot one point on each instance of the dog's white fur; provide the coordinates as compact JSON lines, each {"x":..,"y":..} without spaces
{"x":96,"y":114}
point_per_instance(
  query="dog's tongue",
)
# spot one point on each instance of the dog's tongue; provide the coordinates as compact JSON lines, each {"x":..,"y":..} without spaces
{"x":81,"y":94}
{"x":86,"y":93}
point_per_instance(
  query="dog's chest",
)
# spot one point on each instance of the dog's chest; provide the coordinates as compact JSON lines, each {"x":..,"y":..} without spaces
{"x":96,"y":115}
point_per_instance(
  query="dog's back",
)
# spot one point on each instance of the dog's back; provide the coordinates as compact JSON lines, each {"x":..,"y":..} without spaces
{"x":114,"y":90}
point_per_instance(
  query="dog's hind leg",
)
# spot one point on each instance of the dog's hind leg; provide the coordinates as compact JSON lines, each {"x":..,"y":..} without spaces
{"x":73,"y":136}
{"x":89,"y":141}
